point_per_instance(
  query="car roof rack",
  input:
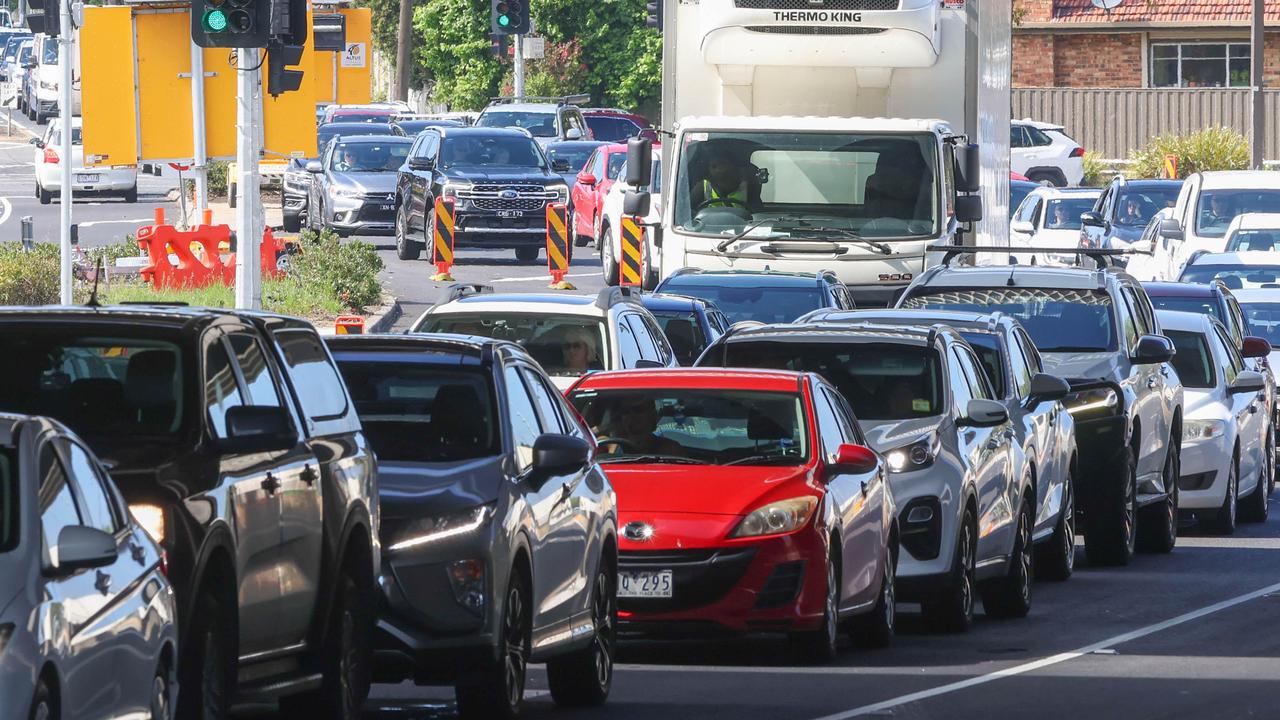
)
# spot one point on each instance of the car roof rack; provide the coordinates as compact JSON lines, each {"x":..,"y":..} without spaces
{"x":1102,"y":256}
{"x":611,"y":296}
{"x":580,"y":99}
{"x":457,"y":291}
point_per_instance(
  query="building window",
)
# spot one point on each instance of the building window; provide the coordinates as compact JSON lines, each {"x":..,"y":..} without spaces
{"x":1200,"y":64}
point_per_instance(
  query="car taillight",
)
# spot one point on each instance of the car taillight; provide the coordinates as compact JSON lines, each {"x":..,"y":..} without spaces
{"x":50,"y":155}
{"x":1078,"y":152}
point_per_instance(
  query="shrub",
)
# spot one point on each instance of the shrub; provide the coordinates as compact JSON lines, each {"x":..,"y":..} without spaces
{"x":1096,"y":171}
{"x":348,"y":270}
{"x":217,"y":172}
{"x":29,"y":277}
{"x":1214,"y":148}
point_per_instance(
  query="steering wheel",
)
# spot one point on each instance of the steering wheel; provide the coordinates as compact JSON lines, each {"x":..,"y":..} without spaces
{"x":622,"y":443}
{"x":720,"y":201}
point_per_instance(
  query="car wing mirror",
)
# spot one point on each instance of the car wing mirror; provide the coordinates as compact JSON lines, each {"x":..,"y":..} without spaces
{"x":82,"y":548}
{"x":313,"y":167}
{"x":637,"y":203}
{"x":855,"y":459}
{"x":648,"y":364}
{"x":1249,"y":381}
{"x":1172,"y":229}
{"x":639,"y":162}
{"x":258,"y":428}
{"x":1048,"y":388}
{"x":561,"y":165}
{"x":968,"y":208}
{"x":1255,"y":347}
{"x":984,"y":413}
{"x":1092,"y":219}
{"x":1152,"y":349}
{"x":556,"y":454}
{"x":1022,"y":226}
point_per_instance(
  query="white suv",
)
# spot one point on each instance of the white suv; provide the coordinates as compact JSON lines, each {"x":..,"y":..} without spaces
{"x":569,"y":335}
{"x":1208,"y":204}
{"x":121,"y":180}
{"x":1045,"y":154}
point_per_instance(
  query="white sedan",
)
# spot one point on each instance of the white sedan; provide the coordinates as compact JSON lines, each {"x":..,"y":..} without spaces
{"x":1254,"y":231}
{"x":1227,"y":450}
{"x":119,"y":180}
{"x":1050,"y":218}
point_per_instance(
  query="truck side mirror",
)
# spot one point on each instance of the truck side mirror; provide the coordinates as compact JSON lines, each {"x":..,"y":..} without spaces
{"x":639,"y":162}
{"x":636,"y":203}
{"x":967,"y":168}
{"x":968,"y":208}
{"x":1171,"y":229}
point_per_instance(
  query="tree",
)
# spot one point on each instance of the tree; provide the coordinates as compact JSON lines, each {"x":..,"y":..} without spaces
{"x":622,"y":56}
{"x":454,"y":52}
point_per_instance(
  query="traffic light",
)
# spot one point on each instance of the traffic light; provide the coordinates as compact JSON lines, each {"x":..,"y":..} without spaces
{"x":654,"y":18}
{"x":42,"y":17}
{"x":230,"y":23}
{"x":279,"y":78}
{"x":509,"y":17}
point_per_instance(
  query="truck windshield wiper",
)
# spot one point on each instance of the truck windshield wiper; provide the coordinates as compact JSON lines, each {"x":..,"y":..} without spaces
{"x":797,"y":219}
{"x":654,"y":459}
{"x":848,"y":235}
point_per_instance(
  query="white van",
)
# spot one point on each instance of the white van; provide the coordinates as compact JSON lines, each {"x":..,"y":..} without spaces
{"x":41,"y":91}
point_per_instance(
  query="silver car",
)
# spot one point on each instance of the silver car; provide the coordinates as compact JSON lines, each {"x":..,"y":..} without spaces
{"x":87,"y":617}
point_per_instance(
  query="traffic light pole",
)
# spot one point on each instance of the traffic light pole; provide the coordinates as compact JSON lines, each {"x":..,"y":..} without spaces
{"x":519,"y":67}
{"x":66,"y":57}
{"x":199,"y":157}
{"x":249,"y":204}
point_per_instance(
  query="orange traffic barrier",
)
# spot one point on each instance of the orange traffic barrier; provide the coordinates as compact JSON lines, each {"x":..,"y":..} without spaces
{"x":630,"y":259}
{"x":559,"y":251}
{"x":349,"y":325}
{"x":442,"y":240}
{"x":192,"y":258}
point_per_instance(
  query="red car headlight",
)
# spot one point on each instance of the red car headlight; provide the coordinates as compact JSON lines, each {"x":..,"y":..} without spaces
{"x":777,"y":518}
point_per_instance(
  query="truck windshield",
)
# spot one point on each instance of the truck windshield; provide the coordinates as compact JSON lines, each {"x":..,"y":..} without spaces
{"x":1217,"y":208}
{"x":1059,"y":320}
{"x":807,"y":183}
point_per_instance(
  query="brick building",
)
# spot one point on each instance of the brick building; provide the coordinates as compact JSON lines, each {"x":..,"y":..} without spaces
{"x":1140,"y":44}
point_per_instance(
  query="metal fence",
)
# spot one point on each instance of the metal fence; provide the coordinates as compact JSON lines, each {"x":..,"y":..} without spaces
{"x":1115,"y":121}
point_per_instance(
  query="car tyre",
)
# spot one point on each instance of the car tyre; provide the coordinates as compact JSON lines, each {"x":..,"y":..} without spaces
{"x":1046,"y":179}
{"x":1256,"y":508}
{"x":497,"y":691}
{"x":1010,"y":596}
{"x":1158,"y":524}
{"x":44,"y":706}
{"x":1223,"y":522}
{"x":46,"y":196}
{"x":346,"y":661}
{"x":584,"y":677}
{"x":131,"y":195}
{"x":208,"y":667}
{"x":1110,"y":531}
{"x":876,"y":628}
{"x":291,"y":223}
{"x":1056,"y":559}
{"x":608,"y":263}
{"x":162,"y":693}
{"x":818,"y":647}
{"x":951,"y":608}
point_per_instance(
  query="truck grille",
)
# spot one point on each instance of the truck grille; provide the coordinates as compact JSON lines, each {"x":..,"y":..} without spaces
{"x":500,"y":204}
{"x":816,"y":5}
{"x":527,"y":198}
{"x":816,"y":30}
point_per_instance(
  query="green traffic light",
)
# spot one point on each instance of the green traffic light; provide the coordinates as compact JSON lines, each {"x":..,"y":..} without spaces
{"x":504,"y":20}
{"x":215,"y":21}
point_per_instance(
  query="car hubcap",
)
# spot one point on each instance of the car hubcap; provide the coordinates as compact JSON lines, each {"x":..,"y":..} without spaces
{"x":515,"y":656}
{"x":350,"y":663}
{"x":890,"y":594}
{"x":833,"y":593}
{"x":1232,"y":494}
{"x":1069,"y":526}
{"x":160,"y":698}
{"x":1024,"y":555}
{"x":1130,"y":523}
{"x":604,"y":630}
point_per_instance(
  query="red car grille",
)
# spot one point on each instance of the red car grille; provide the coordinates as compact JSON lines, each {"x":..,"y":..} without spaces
{"x":698,"y":577}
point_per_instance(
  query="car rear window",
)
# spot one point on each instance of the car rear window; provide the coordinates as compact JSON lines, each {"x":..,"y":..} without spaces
{"x":612,"y":129}
{"x":1058,"y":320}
{"x":1235,"y":277}
{"x":684,"y":332}
{"x":1264,"y":320}
{"x":545,"y":337}
{"x":8,"y":500}
{"x":1192,"y":359}
{"x":1197,"y":305}
{"x":416,"y":412}
{"x":762,"y":304}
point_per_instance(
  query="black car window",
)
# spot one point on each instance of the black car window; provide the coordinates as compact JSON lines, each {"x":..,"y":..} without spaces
{"x":987,"y":346}
{"x":1017,"y":136}
{"x":612,"y":129}
{"x":548,"y":413}
{"x":524,"y":419}
{"x":1235,"y":363}
{"x":1235,"y":321}
{"x":221,"y":390}
{"x":1199,"y":305}
{"x":644,"y":339}
{"x":684,"y":332}
{"x":259,"y":387}
{"x":491,"y":150}
{"x":539,"y":124}
{"x":1039,"y":138}
{"x":1192,"y":358}
{"x":961,"y":391}
{"x":8,"y":499}
{"x":1128,"y":320}
{"x":1057,"y":320}
{"x":316,"y":382}
{"x":58,"y":507}
{"x":759,"y":302}
{"x":99,"y":511}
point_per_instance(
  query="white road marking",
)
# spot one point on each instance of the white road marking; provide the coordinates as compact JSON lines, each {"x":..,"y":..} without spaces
{"x":1052,"y":659}
{"x":132,"y":221}
{"x":5,"y":210}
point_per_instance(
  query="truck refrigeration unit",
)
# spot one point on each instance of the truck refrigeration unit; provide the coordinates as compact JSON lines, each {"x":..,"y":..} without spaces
{"x":830,"y":134}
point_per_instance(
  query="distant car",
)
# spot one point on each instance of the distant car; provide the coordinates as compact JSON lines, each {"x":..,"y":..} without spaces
{"x":725,"y":526}
{"x":329,"y":131}
{"x":594,"y":178}
{"x":1208,"y":204}
{"x":86,"y":602}
{"x":545,"y":121}
{"x":411,"y":128}
{"x":499,"y":529}
{"x":358,"y":113}
{"x":9,"y":55}
{"x":1254,"y":231}
{"x":767,"y":297}
{"x":609,"y":237}
{"x":297,"y":181}
{"x":1123,"y":211}
{"x":1261,"y":310}
{"x":18,"y":70}
{"x":1018,"y":191}
{"x":1045,"y":154}
{"x":617,"y":125}
{"x":690,"y":324}
{"x":353,"y":188}
{"x":575,"y":154}
{"x":569,"y":335}
{"x":1227,"y":445}
{"x":99,"y":180}
{"x":1153,"y":259}
{"x":1050,"y":218}
{"x":1236,"y":270}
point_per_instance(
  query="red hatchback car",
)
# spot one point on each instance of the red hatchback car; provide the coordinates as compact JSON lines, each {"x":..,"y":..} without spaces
{"x":749,"y":502}
{"x":594,"y":180}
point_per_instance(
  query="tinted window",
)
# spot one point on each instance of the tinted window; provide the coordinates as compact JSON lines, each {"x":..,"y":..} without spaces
{"x":57,"y":505}
{"x":611,"y":129}
{"x":1234,"y":277}
{"x":978,"y":381}
{"x":314,"y":379}
{"x":8,"y":500}
{"x":648,"y":345}
{"x":539,"y":124}
{"x":563,"y":344}
{"x":1018,"y":192}
{"x":221,"y":391}
{"x":98,"y":510}
{"x":1264,"y":320}
{"x":618,"y":160}
{"x":258,"y":383}
{"x":576,"y":156}
{"x":1057,"y":320}
{"x":684,"y":332}
{"x":414,"y":412}
{"x":1193,"y":361}
{"x":1217,"y":208}
{"x":763,"y":304}
{"x":366,"y":157}
{"x":1135,"y":208}
{"x":987,"y":346}
{"x":524,"y":420}
{"x":1065,"y":214}
{"x":1199,"y":305}
{"x":1235,"y":363}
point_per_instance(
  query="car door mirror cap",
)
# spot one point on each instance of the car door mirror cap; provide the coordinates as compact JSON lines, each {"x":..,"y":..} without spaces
{"x":968,"y":208}
{"x":573,"y":134}
{"x":855,"y":459}
{"x":1255,"y":347}
{"x":984,"y":413}
{"x":648,"y":364}
{"x":1171,"y":229}
{"x":557,"y":454}
{"x":314,"y":167}
{"x":1022,"y":226}
{"x":1152,"y":349}
{"x":82,"y":548}
{"x":257,"y":428}
{"x":586,"y":179}
{"x":1092,"y":218}
{"x":561,"y":165}
{"x":1249,"y":381}
{"x":420,"y":164}
{"x":636,"y":203}
{"x":1048,"y":388}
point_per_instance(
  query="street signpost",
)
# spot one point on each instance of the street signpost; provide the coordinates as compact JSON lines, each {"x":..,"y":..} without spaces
{"x":66,"y":56}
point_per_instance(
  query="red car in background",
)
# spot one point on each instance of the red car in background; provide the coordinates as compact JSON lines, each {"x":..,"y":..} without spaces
{"x":749,"y":502}
{"x":593,"y":183}
{"x":617,"y":125}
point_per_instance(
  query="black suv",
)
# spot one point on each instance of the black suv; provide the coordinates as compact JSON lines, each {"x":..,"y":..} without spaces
{"x":500,"y":182}
{"x":767,"y":297}
{"x":1123,"y":210}
{"x":500,"y":529}
{"x":1098,"y":330}
{"x":231,"y":436}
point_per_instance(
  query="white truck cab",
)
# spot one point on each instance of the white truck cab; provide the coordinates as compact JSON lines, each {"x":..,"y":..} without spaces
{"x":840,"y":134}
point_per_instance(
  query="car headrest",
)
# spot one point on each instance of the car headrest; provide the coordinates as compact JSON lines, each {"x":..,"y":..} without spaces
{"x":149,"y":378}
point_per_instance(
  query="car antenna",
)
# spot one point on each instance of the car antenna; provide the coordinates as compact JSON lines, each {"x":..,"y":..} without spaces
{"x":93,"y":295}
{"x":1010,"y":282}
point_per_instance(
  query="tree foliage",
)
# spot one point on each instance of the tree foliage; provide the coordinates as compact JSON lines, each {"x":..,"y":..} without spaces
{"x":623,"y":57}
{"x":1214,"y":148}
{"x":455,"y":52}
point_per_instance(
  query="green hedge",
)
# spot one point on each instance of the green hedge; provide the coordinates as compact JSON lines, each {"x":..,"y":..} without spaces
{"x":1214,"y":148}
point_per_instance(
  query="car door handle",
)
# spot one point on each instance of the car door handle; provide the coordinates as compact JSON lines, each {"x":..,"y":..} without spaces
{"x":271,"y":484}
{"x":1164,"y":370}
{"x":307,"y":475}
{"x":103,"y":583}
{"x":865,"y":490}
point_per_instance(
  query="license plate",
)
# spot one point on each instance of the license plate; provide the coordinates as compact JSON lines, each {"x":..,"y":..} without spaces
{"x":647,"y":584}
{"x":386,"y":207}
{"x":86,"y":177}
{"x":510,"y":213}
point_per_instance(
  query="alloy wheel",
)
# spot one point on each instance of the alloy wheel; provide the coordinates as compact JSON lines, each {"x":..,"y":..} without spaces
{"x":212,"y":676}
{"x":160,"y":696}
{"x":966,"y":576}
{"x":1069,"y":526}
{"x":1025,"y":551}
{"x":516,"y":654}
{"x":605,"y":616}
{"x":1131,"y":511}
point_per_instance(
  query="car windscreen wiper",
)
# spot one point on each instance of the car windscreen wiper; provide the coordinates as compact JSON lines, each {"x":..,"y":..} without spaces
{"x":723,"y":245}
{"x":847,"y":234}
{"x":653,"y":459}
{"x":763,"y":459}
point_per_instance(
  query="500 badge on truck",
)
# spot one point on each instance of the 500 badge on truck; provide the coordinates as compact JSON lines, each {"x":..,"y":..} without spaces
{"x":896,"y":277}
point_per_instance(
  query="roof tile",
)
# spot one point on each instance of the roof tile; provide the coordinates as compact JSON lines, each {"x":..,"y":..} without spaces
{"x":1183,"y":11}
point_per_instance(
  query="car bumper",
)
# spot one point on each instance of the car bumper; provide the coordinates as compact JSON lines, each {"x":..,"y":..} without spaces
{"x":929,"y":503}
{"x":1205,"y":467}
{"x":362,"y":216}
{"x":87,"y":179}
{"x":774,"y":585}
{"x":487,"y":230}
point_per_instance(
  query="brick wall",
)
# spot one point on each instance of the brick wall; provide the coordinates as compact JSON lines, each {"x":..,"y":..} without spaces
{"x":1098,"y":60}
{"x":1033,"y":10}
{"x":1033,"y":60}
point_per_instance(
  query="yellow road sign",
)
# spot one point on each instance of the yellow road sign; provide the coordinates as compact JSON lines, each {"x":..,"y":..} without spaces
{"x":443,"y":246}
{"x":1171,"y":167}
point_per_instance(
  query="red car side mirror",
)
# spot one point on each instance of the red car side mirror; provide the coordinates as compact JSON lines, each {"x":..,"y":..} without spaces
{"x":856,"y":459}
{"x":1255,"y":347}
{"x":586,"y":178}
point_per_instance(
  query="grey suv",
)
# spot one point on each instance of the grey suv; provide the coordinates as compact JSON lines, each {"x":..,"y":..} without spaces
{"x":548,"y":119}
{"x":1098,"y":330}
{"x":924,"y":402}
{"x":499,"y":529}
{"x":1123,"y":211}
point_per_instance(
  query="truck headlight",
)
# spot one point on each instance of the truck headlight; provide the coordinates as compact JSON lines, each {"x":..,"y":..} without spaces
{"x":151,"y":519}
{"x":451,"y":190}
{"x":916,"y":456}
{"x":776,"y":518}
{"x":562,"y":193}
{"x":440,"y":527}
{"x":1101,"y":402}
{"x":1196,"y":430}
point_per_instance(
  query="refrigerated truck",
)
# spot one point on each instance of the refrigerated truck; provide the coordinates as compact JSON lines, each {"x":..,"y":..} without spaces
{"x":842,"y":132}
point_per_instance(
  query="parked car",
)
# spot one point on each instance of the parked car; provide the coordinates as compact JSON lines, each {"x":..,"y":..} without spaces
{"x":767,"y":297}
{"x":569,"y":335}
{"x":592,"y":182}
{"x":232,"y":438}
{"x":85,"y":603}
{"x":1236,"y":270}
{"x":724,"y":526}
{"x":559,"y":119}
{"x":609,"y":238}
{"x":1228,"y":451}
{"x":353,"y":189}
{"x":1045,"y":154}
{"x":9,"y":55}
{"x":1050,"y":218}
{"x":1097,"y":330}
{"x":1045,"y":430}
{"x":963,"y":490}
{"x":1254,"y":232}
{"x":617,"y":125}
{"x":1018,"y":191}
{"x":1124,"y":210}
{"x":477,"y":455}
{"x":575,"y":154}
{"x":1207,"y":205}
{"x":690,"y":324}
{"x":119,"y":180}
{"x":499,"y":179}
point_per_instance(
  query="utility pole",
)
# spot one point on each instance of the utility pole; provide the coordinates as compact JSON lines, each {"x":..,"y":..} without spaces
{"x":66,"y":56}
{"x":1258,"y":128}
{"x":404,"y":42}
{"x":249,"y":204}
{"x":519,"y":66}
{"x":199,"y":157}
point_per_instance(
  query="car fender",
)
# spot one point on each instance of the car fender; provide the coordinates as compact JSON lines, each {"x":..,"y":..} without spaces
{"x":335,"y":559}
{"x":218,"y":538}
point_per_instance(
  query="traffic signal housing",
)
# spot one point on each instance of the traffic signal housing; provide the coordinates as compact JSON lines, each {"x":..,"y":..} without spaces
{"x":230,"y":23}
{"x":654,"y":14}
{"x":509,"y":17}
{"x":280,"y":79}
{"x":42,"y":17}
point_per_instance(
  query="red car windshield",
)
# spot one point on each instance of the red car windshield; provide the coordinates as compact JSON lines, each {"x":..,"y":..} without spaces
{"x":718,"y":427}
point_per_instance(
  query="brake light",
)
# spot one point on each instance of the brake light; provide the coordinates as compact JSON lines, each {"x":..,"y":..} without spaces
{"x":1078,"y":152}
{"x":50,"y":155}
